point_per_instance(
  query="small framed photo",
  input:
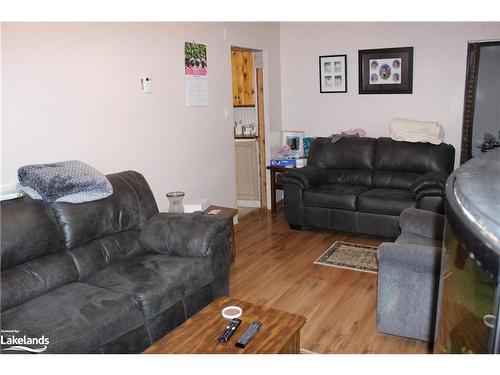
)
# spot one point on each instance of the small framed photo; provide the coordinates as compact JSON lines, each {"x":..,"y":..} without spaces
{"x":386,"y":71}
{"x":294,"y":139}
{"x":333,"y":73}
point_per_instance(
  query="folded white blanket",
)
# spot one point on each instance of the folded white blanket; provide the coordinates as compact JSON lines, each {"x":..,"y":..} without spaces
{"x":416,"y":131}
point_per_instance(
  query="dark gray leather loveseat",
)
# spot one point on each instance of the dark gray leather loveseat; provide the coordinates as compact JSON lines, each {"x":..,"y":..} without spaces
{"x":361,"y":184}
{"x":108,"y":276}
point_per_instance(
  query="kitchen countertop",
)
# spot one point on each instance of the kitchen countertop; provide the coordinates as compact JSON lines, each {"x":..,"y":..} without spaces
{"x":246,"y":136}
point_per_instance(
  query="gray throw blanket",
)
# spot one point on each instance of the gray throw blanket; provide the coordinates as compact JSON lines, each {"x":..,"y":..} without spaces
{"x":69,"y":181}
{"x":335,"y":137}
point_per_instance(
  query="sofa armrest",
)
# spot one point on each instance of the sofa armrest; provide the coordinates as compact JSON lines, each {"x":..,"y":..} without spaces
{"x":430,"y":182}
{"x":422,"y":222}
{"x":429,"y":192}
{"x":191,"y":235}
{"x":407,"y":289}
{"x":417,"y":258}
{"x":306,"y":178}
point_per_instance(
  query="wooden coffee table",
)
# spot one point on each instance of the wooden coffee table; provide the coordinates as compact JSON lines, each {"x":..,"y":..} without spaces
{"x":279,"y":333}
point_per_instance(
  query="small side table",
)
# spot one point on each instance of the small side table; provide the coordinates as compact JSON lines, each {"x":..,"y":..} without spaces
{"x":275,"y":185}
{"x":227,"y":213}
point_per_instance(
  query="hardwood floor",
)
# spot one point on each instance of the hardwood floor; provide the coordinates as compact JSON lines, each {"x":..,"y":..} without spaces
{"x":274,"y":267}
{"x":243,"y":211}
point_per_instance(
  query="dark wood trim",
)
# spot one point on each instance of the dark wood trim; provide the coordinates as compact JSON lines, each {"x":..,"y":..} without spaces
{"x":473,"y":54}
{"x":473,"y":59}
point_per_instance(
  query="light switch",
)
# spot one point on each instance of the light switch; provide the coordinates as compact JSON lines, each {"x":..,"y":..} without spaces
{"x":146,"y":85}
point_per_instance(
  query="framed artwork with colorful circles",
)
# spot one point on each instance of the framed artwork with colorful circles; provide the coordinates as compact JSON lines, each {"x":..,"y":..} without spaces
{"x":386,"y":71}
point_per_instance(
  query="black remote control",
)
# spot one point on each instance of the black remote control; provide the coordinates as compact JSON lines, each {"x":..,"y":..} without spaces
{"x":248,"y":335}
{"x":229,"y":331}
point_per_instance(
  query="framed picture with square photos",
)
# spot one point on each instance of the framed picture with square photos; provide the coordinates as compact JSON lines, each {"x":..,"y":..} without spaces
{"x":333,"y":74}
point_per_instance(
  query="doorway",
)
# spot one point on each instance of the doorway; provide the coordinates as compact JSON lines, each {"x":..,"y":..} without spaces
{"x":481,"y":121}
{"x":247,"y":72}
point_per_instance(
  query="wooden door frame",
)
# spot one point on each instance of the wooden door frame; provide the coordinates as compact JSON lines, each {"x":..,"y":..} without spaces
{"x":262,"y":136}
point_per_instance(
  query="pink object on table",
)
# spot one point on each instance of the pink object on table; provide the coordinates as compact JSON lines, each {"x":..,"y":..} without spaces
{"x":285,"y":150}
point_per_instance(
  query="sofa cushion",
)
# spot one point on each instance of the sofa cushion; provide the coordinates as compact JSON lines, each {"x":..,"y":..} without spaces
{"x":394,"y":179}
{"x":346,"y":153}
{"x":76,"y":318}
{"x":36,"y":277}
{"x":28,"y":231}
{"x":385,"y":201}
{"x":334,"y":196}
{"x":349,"y":176}
{"x":156,"y":281}
{"x":100,"y":253}
{"x":414,"y":157}
{"x":128,"y":208}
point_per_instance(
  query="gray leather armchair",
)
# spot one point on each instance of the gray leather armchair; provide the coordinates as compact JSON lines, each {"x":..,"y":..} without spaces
{"x":408,"y":276}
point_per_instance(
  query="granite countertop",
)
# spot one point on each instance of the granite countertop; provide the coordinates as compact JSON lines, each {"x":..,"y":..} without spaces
{"x":477,"y":190}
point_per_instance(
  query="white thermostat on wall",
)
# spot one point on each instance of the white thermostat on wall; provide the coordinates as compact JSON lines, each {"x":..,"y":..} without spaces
{"x":146,"y":85}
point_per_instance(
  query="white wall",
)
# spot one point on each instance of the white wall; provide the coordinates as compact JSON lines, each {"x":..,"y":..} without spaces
{"x":440,"y":52}
{"x":72,"y":91}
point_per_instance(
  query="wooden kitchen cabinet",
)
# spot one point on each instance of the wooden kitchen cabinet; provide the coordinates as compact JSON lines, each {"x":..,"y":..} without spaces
{"x":243,"y":79}
{"x":247,"y":172}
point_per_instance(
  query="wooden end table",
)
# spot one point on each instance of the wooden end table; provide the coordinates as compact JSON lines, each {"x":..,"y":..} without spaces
{"x":227,"y":213}
{"x":279,"y":333}
{"x":275,"y":185}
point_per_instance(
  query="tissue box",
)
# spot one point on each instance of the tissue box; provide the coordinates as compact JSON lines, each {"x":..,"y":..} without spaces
{"x":289,"y":163}
{"x":192,"y":205}
{"x":300,"y":163}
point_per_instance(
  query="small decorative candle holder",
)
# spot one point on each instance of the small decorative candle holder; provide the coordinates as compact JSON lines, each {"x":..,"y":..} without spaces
{"x":175,"y":204}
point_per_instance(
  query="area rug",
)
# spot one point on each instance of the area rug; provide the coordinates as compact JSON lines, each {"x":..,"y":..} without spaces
{"x":351,"y":256}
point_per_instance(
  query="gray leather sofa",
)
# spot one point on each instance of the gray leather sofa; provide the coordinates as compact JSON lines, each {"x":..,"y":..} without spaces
{"x":108,"y":276}
{"x":408,"y":276}
{"x":361,"y":184}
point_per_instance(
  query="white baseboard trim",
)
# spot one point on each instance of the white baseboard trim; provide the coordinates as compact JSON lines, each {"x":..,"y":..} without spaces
{"x":248,"y":203}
